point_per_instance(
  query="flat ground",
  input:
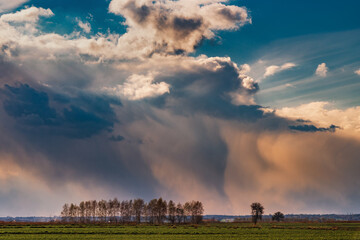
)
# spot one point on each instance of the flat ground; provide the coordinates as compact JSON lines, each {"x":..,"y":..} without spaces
{"x":279,"y":231}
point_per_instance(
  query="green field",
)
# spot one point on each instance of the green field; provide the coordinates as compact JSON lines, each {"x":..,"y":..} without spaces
{"x":289,"y":231}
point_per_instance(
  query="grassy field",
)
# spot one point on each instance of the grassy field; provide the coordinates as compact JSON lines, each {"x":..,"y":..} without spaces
{"x":289,"y":231}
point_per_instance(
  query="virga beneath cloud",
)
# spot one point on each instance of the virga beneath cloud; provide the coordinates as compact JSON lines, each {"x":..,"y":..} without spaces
{"x":141,"y":115}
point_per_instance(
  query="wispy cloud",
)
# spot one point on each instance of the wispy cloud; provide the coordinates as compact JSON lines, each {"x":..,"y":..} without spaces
{"x":273,"y":69}
{"x":85,"y":26}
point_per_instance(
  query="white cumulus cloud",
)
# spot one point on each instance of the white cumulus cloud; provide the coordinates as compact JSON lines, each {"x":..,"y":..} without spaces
{"x":321,"y":70}
{"x":6,"y":5}
{"x":27,"y":15}
{"x":174,"y":26}
{"x":323,"y":114}
{"x":138,"y":87}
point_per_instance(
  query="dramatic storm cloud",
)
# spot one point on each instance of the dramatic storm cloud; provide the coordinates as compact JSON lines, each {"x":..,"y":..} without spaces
{"x":145,"y":112}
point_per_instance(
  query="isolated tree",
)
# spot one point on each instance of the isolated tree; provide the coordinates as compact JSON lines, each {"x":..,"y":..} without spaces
{"x":257,"y":210}
{"x":278,"y":216}
{"x":138,"y":208}
{"x":171,"y":211}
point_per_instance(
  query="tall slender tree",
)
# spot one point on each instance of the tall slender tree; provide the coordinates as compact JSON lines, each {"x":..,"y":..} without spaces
{"x":116,"y":209}
{"x":152,"y":209}
{"x":180,"y":214}
{"x":197,"y":211}
{"x":187,"y":211}
{"x":138,"y":208}
{"x":82,"y":211}
{"x":102,"y":210}
{"x":161,"y":208}
{"x":93,"y":209}
{"x":87,"y":211}
{"x":65,"y":213}
{"x":171,"y":211}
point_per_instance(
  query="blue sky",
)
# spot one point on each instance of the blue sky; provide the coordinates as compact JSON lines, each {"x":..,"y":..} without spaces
{"x":227,"y":102}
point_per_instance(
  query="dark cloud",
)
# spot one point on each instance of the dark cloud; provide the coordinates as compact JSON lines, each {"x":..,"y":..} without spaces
{"x":28,"y":105}
{"x":80,"y":117}
{"x":312,"y":128}
{"x":139,"y":14}
{"x":230,"y":15}
{"x":117,"y":138}
{"x":185,"y":26}
{"x":303,"y":121}
{"x":205,"y":90}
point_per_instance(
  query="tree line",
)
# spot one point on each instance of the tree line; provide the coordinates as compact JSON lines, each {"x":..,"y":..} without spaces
{"x":156,"y":211}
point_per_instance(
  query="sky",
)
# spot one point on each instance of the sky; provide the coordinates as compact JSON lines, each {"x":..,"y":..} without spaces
{"x":225,"y":102}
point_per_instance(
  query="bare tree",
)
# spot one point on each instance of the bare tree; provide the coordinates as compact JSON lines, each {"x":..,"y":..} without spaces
{"x":257,"y":210}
